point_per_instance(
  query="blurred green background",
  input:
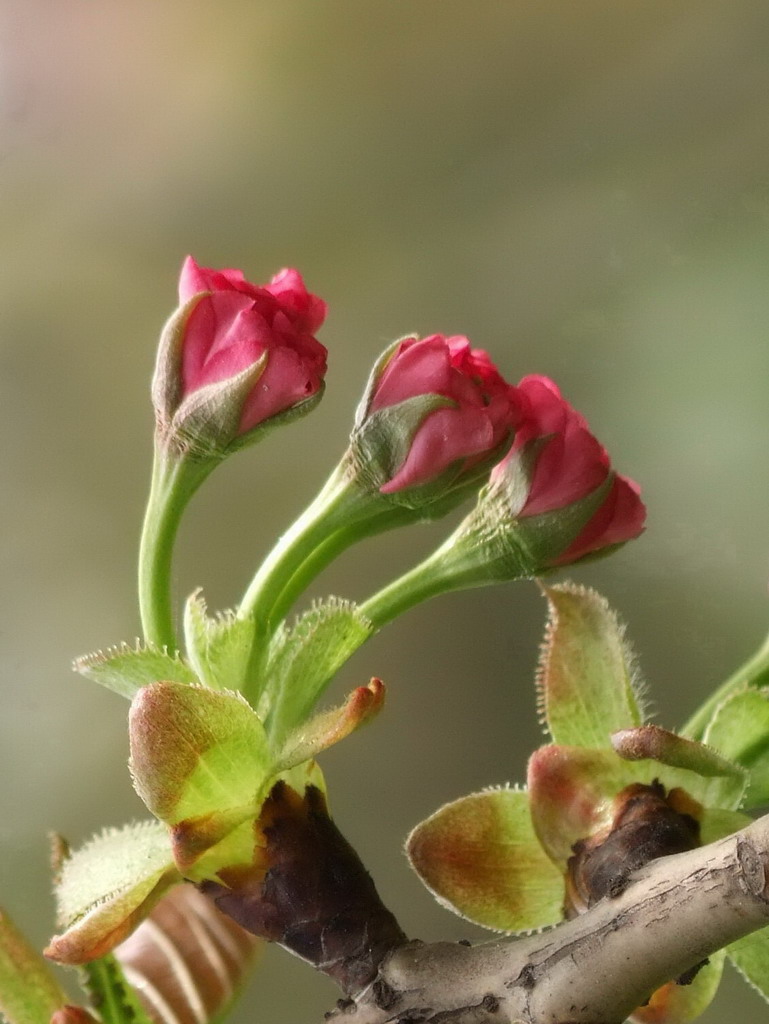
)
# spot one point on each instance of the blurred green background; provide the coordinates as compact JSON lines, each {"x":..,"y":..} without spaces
{"x":581,"y":187}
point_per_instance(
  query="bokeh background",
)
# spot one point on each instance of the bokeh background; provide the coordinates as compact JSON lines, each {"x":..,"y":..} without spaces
{"x":581,"y":187}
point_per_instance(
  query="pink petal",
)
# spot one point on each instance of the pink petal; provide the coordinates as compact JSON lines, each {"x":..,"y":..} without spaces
{"x":443,"y":438}
{"x":619,"y":519}
{"x":417,"y":368}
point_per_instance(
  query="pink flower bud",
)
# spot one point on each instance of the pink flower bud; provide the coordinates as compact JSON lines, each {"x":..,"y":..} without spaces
{"x":565,"y":464}
{"x":233,"y":327}
{"x":478,"y":417}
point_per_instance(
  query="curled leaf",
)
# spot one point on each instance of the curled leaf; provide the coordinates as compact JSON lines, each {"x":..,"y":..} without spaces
{"x":107,"y":887}
{"x":331,"y":726}
{"x":650,"y":742}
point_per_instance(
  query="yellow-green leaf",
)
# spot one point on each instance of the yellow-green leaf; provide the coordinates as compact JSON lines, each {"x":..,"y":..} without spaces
{"x":200,"y":761}
{"x":218,"y":648}
{"x":29,"y":993}
{"x":480,"y":857}
{"x":125,"y":669}
{"x":679,"y":1004}
{"x":586,"y":676}
{"x":740,"y":730}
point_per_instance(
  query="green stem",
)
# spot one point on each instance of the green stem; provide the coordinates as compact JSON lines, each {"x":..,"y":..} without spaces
{"x":175,"y":479}
{"x":754,"y":673}
{"x":331,"y":523}
{"x":443,"y":571}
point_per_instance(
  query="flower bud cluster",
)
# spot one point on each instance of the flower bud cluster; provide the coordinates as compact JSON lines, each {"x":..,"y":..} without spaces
{"x":436,"y":417}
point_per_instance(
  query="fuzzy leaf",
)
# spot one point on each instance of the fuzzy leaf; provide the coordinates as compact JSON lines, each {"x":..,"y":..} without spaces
{"x":200,"y":762}
{"x":751,"y":958}
{"x":187,"y":961}
{"x":111,"y":991}
{"x":571,"y":794}
{"x":479,"y":857}
{"x":218,"y":648}
{"x":331,"y":726}
{"x":740,"y":730}
{"x":586,"y":674}
{"x":109,"y":885}
{"x":125,"y":669}
{"x":726,"y":781}
{"x":29,"y":993}
{"x":679,"y":1004}
{"x":304,"y":658}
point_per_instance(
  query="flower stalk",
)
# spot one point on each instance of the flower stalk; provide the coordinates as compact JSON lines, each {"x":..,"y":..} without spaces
{"x":175,"y":478}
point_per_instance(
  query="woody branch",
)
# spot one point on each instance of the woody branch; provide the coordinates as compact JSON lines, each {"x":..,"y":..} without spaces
{"x":595,"y":969}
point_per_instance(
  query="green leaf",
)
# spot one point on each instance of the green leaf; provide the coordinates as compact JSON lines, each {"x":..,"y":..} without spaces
{"x":218,"y":648}
{"x":751,"y":958}
{"x":479,"y":857}
{"x":331,"y":726}
{"x":303,"y":659}
{"x":107,"y":887}
{"x":29,"y":993}
{"x":678,"y":1004}
{"x":740,"y":730}
{"x":716,"y":823}
{"x":200,"y":762}
{"x":125,"y":669}
{"x":108,"y":990}
{"x":586,"y":676}
{"x":721,"y":782}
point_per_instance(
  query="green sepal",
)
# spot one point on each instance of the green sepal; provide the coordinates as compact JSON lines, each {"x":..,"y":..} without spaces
{"x":537,"y":542}
{"x":480,"y":857}
{"x":125,"y":669}
{"x":587,"y":679}
{"x":380,"y":444}
{"x":167,"y":378}
{"x":304,"y":658}
{"x":218,"y":648}
{"x":107,"y":886}
{"x":750,"y":955}
{"x":716,"y":781}
{"x":679,"y":1004}
{"x":206,"y":421}
{"x":200,"y":761}
{"x":331,"y":726}
{"x":29,"y":993}
{"x":740,"y":729}
{"x":377,"y":370}
{"x":109,"y":991}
